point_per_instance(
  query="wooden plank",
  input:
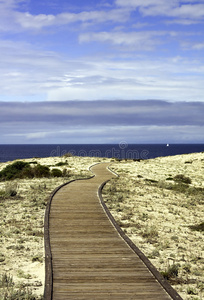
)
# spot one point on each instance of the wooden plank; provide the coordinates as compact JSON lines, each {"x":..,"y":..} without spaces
{"x":90,"y":258}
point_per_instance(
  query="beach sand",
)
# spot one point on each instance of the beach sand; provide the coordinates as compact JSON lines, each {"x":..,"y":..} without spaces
{"x":161,"y":214}
{"x":22,"y":222}
{"x":156,"y":210}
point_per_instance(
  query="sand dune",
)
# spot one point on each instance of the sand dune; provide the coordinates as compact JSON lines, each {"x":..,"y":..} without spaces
{"x":160,"y":205}
{"x":153,"y":205}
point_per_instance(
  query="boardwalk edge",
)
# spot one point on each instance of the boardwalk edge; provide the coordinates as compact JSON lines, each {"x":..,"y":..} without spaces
{"x":48,"y":289}
{"x":164,"y":283}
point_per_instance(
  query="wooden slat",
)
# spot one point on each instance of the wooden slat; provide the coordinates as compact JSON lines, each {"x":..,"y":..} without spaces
{"x":90,"y":259}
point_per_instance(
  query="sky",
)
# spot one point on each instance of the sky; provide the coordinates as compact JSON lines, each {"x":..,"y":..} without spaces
{"x":101,"y":71}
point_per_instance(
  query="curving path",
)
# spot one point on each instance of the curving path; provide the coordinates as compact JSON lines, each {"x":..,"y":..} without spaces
{"x":89,"y":259}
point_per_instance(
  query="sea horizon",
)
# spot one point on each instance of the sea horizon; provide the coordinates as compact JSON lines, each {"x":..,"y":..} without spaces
{"x":122,"y":150}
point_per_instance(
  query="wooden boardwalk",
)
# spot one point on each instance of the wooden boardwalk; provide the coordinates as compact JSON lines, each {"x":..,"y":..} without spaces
{"x":89,"y":259}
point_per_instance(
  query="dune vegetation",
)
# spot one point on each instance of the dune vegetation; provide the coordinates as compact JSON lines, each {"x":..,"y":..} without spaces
{"x":157,"y":202}
{"x":25,"y":187}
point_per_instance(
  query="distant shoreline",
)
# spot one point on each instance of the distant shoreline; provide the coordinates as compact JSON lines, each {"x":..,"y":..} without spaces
{"x":123,"y":150}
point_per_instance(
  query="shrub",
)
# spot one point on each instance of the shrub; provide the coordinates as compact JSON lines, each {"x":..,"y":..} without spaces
{"x":22,"y":169}
{"x":181,"y":178}
{"x":68,"y":154}
{"x":6,"y":281}
{"x":37,"y":258}
{"x":199,"y":227}
{"x":178,"y":187}
{"x":2,"y":194}
{"x":65,"y":172}
{"x":61,"y":164}
{"x":116,"y":159}
{"x":151,"y":180}
{"x":11,"y":189}
{"x":22,"y":274}
{"x":27,"y":172}
{"x":191,"y":291}
{"x":171,"y":272}
{"x":56,"y":173}
{"x":155,"y":253}
{"x":150,"y":233}
{"x":13,"y":171}
{"x":41,"y":171}
{"x":187,"y":268}
{"x":22,"y":293}
{"x":2,"y":258}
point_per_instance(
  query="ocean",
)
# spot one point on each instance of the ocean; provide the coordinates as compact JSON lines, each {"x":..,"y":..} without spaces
{"x":121,"y":150}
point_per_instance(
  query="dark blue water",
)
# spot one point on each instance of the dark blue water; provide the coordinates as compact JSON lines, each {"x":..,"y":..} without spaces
{"x":122,"y":150}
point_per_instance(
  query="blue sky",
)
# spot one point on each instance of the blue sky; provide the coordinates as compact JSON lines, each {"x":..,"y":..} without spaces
{"x":58,"y":54}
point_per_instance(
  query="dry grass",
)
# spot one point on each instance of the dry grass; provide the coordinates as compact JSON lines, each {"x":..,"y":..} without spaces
{"x":22,"y":208}
{"x":163,"y":214}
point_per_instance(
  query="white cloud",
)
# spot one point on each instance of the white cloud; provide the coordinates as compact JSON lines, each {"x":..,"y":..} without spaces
{"x":198,"y":46}
{"x":8,"y":10}
{"x":79,"y":121}
{"x":29,"y":21}
{"x":27,"y":71}
{"x":14,"y":18}
{"x":192,"y":45}
{"x":11,"y":4}
{"x":195,"y":11}
{"x":137,"y":3}
{"x":144,"y":40}
{"x":36,"y":135}
{"x":11,"y":19}
{"x":174,"y":8}
{"x":137,"y":88}
{"x":182,"y":22}
{"x":106,"y":134}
